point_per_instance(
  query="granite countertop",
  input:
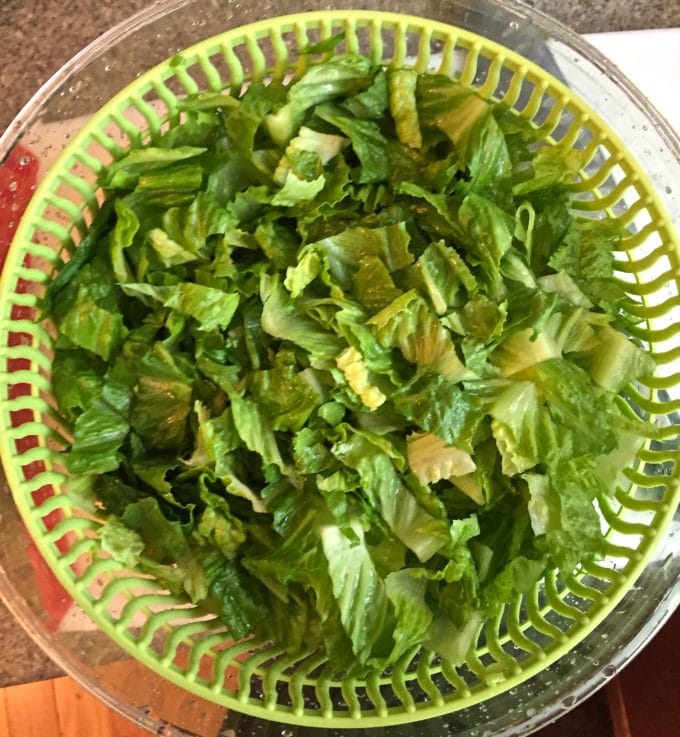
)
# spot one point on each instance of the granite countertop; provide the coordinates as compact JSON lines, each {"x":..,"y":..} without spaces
{"x":38,"y":36}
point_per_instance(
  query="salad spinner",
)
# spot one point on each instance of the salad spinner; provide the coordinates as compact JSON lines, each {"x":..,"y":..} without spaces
{"x":534,"y":631}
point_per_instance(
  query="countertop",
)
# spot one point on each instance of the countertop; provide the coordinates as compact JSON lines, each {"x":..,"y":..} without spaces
{"x":38,"y":36}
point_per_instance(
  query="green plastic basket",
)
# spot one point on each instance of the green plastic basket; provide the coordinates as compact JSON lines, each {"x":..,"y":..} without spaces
{"x":164,"y":632}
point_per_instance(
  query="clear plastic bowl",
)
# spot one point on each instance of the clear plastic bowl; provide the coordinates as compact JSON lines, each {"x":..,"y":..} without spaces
{"x":45,"y":126}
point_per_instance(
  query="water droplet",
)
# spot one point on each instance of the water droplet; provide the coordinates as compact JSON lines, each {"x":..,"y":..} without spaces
{"x":667,"y":189}
{"x":286,"y":733}
{"x":645,"y":128}
{"x":569,"y":701}
{"x":108,"y":67}
{"x":513,"y":691}
{"x":13,"y":185}
{"x":164,"y":731}
{"x":513,"y":25}
{"x":531,"y":711}
{"x":23,"y":161}
{"x":609,"y":670}
{"x":74,"y":88}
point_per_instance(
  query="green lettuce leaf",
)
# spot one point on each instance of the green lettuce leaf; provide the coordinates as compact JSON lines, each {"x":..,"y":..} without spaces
{"x":586,"y":254}
{"x":102,"y":428}
{"x":439,"y":406}
{"x":346,"y":249}
{"x":408,"y":324}
{"x":169,"y":251}
{"x":490,"y":232}
{"x":89,"y":326}
{"x":121,"y":542}
{"x":211,"y":308}
{"x":402,"y":85}
{"x":551,"y":165}
{"x":162,"y":401}
{"x":578,"y":535}
{"x":139,"y":161}
{"x":616,"y":360}
{"x":239,"y":599}
{"x":373,"y":285}
{"x":414,"y":618}
{"x":286,"y":396}
{"x":439,"y":274}
{"x":432,"y":459}
{"x":76,"y":380}
{"x":163,"y":539}
{"x":417,"y":529}
{"x":339,"y":76}
{"x":467,"y":119}
{"x":367,"y":141}
{"x":283,"y":319}
{"x":296,"y":191}
{"x":355,"y":579}
{"x":123,"y":235}
{"x":324,"y":147}
{"x":372,"y":102}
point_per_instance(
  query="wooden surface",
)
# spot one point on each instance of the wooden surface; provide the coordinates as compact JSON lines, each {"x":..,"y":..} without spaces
{"x":59,"y":708}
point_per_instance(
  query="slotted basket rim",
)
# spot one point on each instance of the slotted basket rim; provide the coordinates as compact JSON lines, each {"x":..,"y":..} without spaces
{"x":393,"y":715}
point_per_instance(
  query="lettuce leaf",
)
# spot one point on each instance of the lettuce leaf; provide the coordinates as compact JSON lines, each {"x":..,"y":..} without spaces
{"x":162,"y":401}
{"x":340,"y":76}
{"x":439,"y":406}
{"x":95,"y":328}
{"x":210,"y":307}
{"x":408,"y":324}
{"x":355,"y":579}
{"x":417,"y":529}
{"x":346,"y":249}
{"x":402,"y":85}
{"x":368,"y":143}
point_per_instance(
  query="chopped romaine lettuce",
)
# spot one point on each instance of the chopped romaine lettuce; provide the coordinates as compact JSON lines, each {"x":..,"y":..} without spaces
{"x":341,"y":366}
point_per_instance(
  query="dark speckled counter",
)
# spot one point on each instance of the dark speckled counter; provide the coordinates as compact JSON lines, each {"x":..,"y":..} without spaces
{"x":38,"y":36}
